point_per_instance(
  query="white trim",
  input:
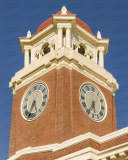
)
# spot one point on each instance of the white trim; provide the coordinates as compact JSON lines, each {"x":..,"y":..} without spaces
{"x":92,"y":137}
{"x":33,"y":150}
{"x":101,"y":154}
{"x":84,"y":154}
{"x":69,"y":59}
{"x":113,"y":150}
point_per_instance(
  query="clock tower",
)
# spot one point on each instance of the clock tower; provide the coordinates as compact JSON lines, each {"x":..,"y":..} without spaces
{"x":63,"y":98}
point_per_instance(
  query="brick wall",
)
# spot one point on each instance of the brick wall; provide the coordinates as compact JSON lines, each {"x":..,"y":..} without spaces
{"x":63,"y":117}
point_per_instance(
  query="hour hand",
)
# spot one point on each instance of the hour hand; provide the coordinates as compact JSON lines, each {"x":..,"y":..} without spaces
{"x":94,"y":107}
{"x":33,"y":103}
{"x":35,"y":107}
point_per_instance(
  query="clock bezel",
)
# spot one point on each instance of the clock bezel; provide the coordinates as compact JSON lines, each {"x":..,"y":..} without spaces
{"x":24,"y":95}
{"x":99,"y":90}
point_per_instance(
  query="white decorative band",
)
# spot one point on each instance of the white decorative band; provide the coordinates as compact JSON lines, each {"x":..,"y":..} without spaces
{"x":101,"y":154}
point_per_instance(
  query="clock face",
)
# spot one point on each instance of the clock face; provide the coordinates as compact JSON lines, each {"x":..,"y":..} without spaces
{"x":92,"y":102}
{"x":34,"y":101}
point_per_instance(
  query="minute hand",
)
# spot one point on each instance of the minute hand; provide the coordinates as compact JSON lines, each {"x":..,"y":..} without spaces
{"x":92,"y":106}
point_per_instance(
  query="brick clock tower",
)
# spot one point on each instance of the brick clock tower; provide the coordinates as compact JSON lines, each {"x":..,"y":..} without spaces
{"x":63,"y":98}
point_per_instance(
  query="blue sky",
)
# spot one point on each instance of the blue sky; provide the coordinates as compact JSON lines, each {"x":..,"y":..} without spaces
{"x":17,"y":17}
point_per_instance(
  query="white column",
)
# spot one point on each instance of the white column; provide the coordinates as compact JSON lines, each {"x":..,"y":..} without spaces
{"x":32,"y":55}
{"x":26,"y":58}
{"x":76,"y":49}
{"x":59,"y":37}
{"x":68,"y":37}
{"x":51,"y":47}
{"x":101,"y":57}
{"x":95,"y":56}
{"x":40,"y":55}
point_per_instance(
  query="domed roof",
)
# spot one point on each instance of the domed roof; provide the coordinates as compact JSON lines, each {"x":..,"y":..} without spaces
{"x":78,"y":21}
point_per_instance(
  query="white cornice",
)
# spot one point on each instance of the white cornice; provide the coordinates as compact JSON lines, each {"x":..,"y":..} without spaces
{"x":93,"y":39}
{"x":58,"y":59}
{"x":93,"y":137}
{"x":33,"y":150}
{"x":84,"y":154}
{"x":79,"y":139}
{"x":64,"y":19}
{"x":28,"y":41}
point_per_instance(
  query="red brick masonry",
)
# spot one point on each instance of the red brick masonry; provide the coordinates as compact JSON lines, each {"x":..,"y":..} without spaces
{"x":62,"y":119}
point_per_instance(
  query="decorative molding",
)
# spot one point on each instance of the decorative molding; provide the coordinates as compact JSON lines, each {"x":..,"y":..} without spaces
{"x":122,"y":154}
{"x":84,"y":154}
{"x":99,"y":155}
{"x":113,"y":157}
{"x":69,"y":59}
{"x":46,"y":38}
{"x":33,"y":150}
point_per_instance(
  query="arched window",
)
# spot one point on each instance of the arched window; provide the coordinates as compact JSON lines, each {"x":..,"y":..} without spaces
{"x":81,"y":50}
{"x":46,"y":49}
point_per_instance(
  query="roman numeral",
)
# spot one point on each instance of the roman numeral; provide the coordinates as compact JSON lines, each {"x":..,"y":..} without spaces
{"x":97,"y":116}
{"x":88,"y":111}
{"x":102,"y":107}
{"x":82,"y":97}
{"x":97,"y":93}
{"x":87,"y":88}
{"x":39,"y":110}
{"x":43,"y":90}
{"x":43,"y":103}
{"x":101,"y":100}
{"x":92,"y":115}
{"x":93,"y":89}
{"x":25,"y":107}
{"x":84,"y":104}
{"x":39,"y":87}
{"x":83,"y":90}
{"x":29,"y":92}
{"x":45,"y":96}
{"x":27,"y":113}
{"x":26,"y":99}
{"x":34,"y":87}
{"x":101,"y":113}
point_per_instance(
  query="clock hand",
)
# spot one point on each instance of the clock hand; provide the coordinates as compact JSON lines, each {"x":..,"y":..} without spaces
{"x":32,"y":105}
{"x":92,"y":106}
{"x":35,"y":106}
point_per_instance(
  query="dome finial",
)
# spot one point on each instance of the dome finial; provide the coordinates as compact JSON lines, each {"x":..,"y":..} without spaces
{"x":64,"y":10}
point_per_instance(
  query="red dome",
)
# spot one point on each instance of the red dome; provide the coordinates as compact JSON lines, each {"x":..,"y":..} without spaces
{"x":78,"y":21}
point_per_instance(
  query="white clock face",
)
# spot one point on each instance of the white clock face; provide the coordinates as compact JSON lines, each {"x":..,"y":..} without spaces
{"x":34,"y":101}
{"x":92,"y":102}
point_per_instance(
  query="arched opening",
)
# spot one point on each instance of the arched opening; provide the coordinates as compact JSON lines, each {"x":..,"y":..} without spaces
{"x":29,"y":57}
{"x":98,"y":57}
{"x":81,"y":50}
{"x":46,"y":48}
{"x":64,"y":37}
